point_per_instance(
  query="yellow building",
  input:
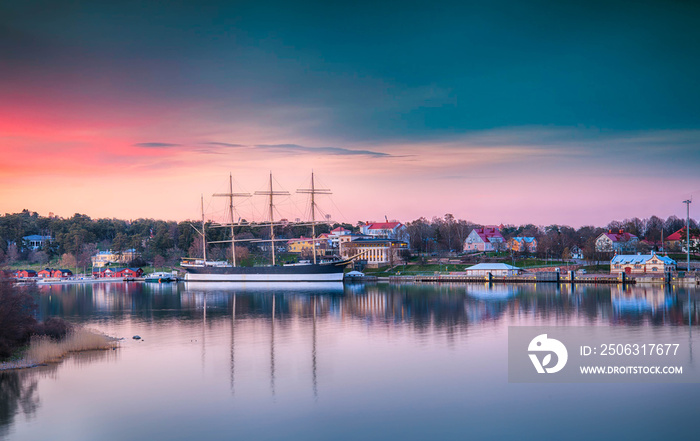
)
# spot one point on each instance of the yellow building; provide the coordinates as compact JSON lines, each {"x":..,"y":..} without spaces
{"x":520,"y":244}
{"x":104,"y":258}
{"x":305,"y":245}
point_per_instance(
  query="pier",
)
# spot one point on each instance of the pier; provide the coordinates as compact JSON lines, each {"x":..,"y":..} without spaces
{"x":450,"y":278}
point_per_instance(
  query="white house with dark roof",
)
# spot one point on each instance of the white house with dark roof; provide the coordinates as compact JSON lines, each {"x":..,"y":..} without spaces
{"x":641,"y":264}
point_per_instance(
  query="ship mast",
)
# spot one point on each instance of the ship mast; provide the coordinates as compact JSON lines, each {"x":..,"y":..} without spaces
{"x":272,"y":193}
{"x":230,"y":195}
{"x":313,"y":191}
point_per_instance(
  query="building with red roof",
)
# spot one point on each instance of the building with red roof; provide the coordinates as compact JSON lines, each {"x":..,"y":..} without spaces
{"x":62,"y":273}
{"x":386,"y":230}
{"x":24,"y":274}
{"x":679,"y":237}
{"x":488,"y":238}
{"x":619,"y":242}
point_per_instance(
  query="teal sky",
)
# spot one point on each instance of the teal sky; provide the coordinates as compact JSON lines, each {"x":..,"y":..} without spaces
{"x":476,"y":95}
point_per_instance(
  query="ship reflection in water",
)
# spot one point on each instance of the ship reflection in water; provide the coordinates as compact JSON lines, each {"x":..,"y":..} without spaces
{"x":605,"y":304}
{"x":292,"y":361}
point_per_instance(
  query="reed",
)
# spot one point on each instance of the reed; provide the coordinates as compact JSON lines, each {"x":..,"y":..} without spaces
{"x":43,"y":349}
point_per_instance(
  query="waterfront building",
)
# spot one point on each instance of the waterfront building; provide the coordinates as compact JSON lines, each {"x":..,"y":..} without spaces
{"x":24,"y":274}
{"x":117,"y":272}
{"x":522,"y":244}
{"x":46,"y":272}
{"x":484,"y":239}
{"x":104,"y":258}
{"x":376,"y":252}
{"x":128,"y":272}
{"x":495,"y":269}
{"x":620,"y":242}
{"x":641,"y":264}
{"x":62,"y":273}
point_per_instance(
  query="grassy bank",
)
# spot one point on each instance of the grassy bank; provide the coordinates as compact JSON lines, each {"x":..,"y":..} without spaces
{"x":44,"y":349}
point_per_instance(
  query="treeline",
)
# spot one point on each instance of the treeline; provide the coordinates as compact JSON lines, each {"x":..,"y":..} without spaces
{"x":443,"y":234}
{"x":162,"y":243}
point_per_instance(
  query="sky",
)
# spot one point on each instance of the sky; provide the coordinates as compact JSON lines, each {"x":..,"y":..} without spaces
{"x":509,"y":112}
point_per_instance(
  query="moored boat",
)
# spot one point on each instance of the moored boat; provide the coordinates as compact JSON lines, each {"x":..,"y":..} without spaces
{"x":201,"y":270}
{"x":160,"y":277}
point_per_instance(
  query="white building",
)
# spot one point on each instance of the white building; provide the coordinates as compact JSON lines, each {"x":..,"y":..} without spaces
{"x":386,"y":230}
{"x":495,"y":269}
{"x":335,"y":236}
{"x":484,"y":239}
{"x":377,"y":252}
{"x":619,"y":242}
{"x":35,"y":241}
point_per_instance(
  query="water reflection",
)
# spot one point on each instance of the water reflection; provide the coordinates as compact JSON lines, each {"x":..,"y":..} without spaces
{"x":419,"y":305}
{"x":18,"y":395}
{"x":20,"y":389}
{"x":406,"y":361}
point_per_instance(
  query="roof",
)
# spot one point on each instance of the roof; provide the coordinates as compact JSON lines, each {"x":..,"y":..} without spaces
{"x":615,"y":237}
{"x":371,"y":241}
{"x":677,"y":235}
{"x":383,"y":225}
{"x":493,"y":267}
{"x":130,"y":250}
{"x":36,"y":237}
{"x":488,"y":233}
{"x":300,"y":239}
{"x":635,"y":259}
{"x":115,"y":270}
{"x":528,"y":239}
{"x":339,"y":230}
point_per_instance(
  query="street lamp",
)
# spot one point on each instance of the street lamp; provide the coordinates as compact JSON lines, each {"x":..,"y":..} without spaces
{"x":687,"y":233}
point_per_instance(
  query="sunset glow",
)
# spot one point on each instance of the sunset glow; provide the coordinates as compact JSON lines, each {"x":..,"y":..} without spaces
{"x":139,"y":124}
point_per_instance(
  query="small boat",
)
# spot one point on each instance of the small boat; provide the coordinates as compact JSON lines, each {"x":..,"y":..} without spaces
{"x":160,"y":277}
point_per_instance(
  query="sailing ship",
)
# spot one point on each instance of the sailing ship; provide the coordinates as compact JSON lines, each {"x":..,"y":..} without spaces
{"x":201,"y":270}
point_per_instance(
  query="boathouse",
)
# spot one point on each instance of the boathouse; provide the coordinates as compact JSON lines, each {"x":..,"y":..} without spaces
{"x":495,"y":269}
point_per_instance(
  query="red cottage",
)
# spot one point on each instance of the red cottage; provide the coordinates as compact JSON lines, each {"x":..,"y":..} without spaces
{"x":129,"y":272}
{"x":62,"y":273}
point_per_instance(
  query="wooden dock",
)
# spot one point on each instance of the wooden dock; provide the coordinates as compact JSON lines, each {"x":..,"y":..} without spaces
{"x":445,"y":278}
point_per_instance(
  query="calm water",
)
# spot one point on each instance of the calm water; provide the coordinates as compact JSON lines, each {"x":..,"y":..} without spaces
{"x":371,"y":362}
